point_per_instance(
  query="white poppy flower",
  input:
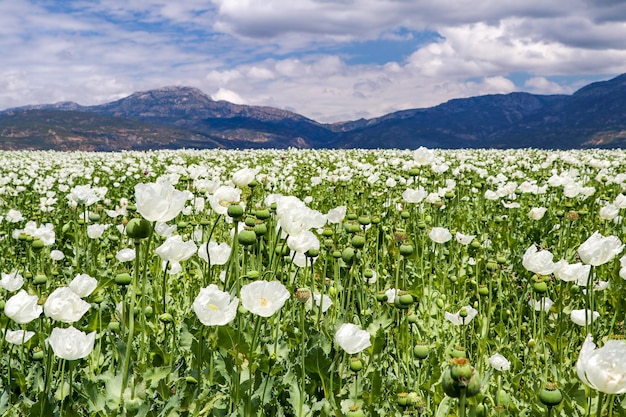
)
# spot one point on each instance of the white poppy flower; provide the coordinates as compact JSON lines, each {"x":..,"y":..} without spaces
{"x":214,"y":307}
{"x":499,"y":362}
{"x":352,"y":339}
{"x":264,"y":298}
{"x":603,"y":369}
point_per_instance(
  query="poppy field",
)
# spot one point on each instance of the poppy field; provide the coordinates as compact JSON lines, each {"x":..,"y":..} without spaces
{"x":313,"y":283}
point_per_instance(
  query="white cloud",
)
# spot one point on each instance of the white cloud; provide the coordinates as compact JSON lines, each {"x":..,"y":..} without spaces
{"x":228,"y":95}
{"x":541,"y":85}
{"x":288,"y":53}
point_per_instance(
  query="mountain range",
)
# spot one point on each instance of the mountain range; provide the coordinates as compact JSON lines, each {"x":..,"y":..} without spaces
{"x":185,"y":117}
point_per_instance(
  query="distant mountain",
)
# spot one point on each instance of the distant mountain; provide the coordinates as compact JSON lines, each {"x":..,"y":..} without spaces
{"x":176,"y":117}
{"x":65,"y":130}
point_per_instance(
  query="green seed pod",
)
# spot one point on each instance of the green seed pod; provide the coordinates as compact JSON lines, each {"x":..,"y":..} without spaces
{"x":502,"y":398}
{"x":138,"y":228}
{"x":460,"y":369}
{"x":356,"y":364}
{"x":550,"y":395}
{"x":421,"y":350}
{"x":166,"y":318}
{"x":402,"y":399}
{"x":406,"y":299}
{"x":123,"y":278}
{"x":483,"y":290}
{"x":235,"y":211}
{"x":260,"y":229}
{"x":540,"y":287}
{"x":148,"y":312}
{"x":405,"y":214}
{"x":381,"y":296}
{"x":348,"y":255}
{"x":263,"y":214}
{"x":458,"y":352}
{"x":406,"y":249}
{"x":38,"y":354}
{"x":37,"y":244}
{"x":281,"y":248}
{"x":355,"y":411}
{"x":398,"y":304}
{"x":182,"y":224}
{"x":358,"y":241}
{"x":452,"y":388}
{"x":40,"y":279}
{"x":114,"y":326}
{"x":246,"y":237}
{"x":352,"y":227}
{"x":491,"y":265}
{"x":94,"y":217}
{"x":254,"y":274}
{"x":250,"y":221}
{"x":191,"y":380}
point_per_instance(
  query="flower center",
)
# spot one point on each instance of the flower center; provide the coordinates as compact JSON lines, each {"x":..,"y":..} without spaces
{"x":213,"y":307}
{"x":263,"y":302}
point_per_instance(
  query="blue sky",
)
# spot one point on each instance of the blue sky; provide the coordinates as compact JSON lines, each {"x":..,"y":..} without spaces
{"x":330,"y":60}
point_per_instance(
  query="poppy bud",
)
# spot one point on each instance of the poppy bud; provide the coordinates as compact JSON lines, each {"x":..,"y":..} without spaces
{"x":138,"y":228}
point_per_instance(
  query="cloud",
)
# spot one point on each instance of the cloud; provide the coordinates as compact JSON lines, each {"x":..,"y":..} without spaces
{"x":227,"y":95}
{"x":541,"y":85}
{"x":310,"y":56}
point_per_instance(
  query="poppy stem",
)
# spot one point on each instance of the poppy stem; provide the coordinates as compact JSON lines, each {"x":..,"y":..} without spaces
{"x":600,"y":404}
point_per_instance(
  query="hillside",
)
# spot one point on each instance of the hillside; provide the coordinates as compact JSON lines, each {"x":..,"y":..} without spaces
{"x":176,"y":117}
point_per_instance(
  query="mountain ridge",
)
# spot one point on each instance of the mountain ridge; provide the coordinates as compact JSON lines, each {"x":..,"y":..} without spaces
{"x":180,"y":116}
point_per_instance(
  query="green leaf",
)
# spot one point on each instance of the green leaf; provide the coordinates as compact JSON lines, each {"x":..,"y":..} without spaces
{"x":229,"y":340}
{"x":296,"y":396}
{"x":444,"y":407}
{"x":43,"y":407}
{"x":154,"y":375}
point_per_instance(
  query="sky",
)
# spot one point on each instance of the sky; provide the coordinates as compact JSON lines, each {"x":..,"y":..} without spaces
{"x":329,"y":60}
